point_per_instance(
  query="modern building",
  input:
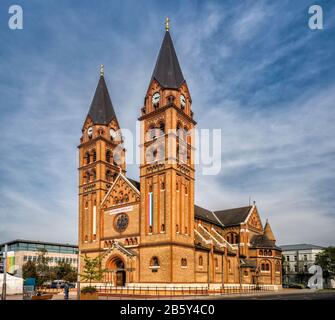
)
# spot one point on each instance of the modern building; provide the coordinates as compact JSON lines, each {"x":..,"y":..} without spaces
{"x":297,"y":260}
{"x":20,"y":251}
{"x":150,"y":231}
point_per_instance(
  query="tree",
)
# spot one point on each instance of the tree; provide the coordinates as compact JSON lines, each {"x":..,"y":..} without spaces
{"x":92,"y":270}
{"x":29,"y":270}
{"x":326,"y":260}
{"x":42,"y":267}
{"x":64,"y":271}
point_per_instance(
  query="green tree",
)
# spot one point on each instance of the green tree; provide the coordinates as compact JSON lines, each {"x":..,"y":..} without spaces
{"x":29,"y":270}
{"x":92,"y":270}
{"x":326,"y":260}
{"x":42,"y":267}
{"x":64,"y":271}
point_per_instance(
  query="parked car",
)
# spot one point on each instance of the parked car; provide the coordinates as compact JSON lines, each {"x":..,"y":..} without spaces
{"x":57,"y":284}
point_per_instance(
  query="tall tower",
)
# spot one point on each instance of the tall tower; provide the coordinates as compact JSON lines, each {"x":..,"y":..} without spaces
{"x":167,"y":173}
{"x":101,"y":158}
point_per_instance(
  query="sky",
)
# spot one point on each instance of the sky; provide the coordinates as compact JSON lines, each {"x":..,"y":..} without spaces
{"x":254,"y":69}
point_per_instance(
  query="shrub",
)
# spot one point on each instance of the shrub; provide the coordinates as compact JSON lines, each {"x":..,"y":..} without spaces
{"x":297,"y":286}
{"x":89,"y":290}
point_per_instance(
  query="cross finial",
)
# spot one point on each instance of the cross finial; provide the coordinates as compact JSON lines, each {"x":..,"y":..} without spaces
{"x":102,"y":70}
{"x":167,"y":26}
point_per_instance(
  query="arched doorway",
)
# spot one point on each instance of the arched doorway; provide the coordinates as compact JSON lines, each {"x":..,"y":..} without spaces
{"x":117,"y":271}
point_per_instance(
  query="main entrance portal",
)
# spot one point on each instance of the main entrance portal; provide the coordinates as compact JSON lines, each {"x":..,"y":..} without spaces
{"x":116,"y":272}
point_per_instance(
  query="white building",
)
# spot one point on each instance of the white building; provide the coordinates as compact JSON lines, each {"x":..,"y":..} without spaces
{"x":297,"y":260}
{"x":21,"y":251}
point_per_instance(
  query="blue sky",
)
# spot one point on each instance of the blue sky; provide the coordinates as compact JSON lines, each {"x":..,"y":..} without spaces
{"x":254,"y":69}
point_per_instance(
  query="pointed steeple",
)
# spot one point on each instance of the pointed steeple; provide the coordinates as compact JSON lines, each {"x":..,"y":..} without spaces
{"x":167,"y":70}
{"x":101,"y":109}
{"x":268,"y":231}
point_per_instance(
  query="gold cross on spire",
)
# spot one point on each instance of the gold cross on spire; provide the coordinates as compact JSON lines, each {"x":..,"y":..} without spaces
{"x":167,"y":26}
{"x":102,"y":70}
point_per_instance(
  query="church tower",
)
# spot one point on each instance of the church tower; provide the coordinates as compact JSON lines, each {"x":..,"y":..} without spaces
{"x":167,"y":173}
{"x":101,"y":158}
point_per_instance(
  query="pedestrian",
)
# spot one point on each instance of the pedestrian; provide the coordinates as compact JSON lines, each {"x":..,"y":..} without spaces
{"x":66,"y":291}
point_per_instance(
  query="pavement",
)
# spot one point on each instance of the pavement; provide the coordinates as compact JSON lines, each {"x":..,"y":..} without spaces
{"x":283,"y":294}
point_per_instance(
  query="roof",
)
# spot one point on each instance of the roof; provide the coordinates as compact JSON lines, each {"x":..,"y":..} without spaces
{"x":268,"y":231}
{"x":246,"y":263}
{"x":167,"y":70}
{"x":234,"y":216}
{"x":39,"y":242}
{"x":302,"y":246}
{"x":206,"y":215}
{"x":101,"y":109}
{"x":135,"y":183}
{"x":262,"y":241}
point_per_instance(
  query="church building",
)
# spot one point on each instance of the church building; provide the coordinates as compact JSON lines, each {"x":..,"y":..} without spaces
{"x":151,"y":232}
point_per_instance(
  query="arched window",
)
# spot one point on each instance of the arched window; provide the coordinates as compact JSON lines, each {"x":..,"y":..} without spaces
{"x":163,"y":227}
{"x":151,"y":132}
{"x":216,"y":261}
{"x":154,"y":262}
{"x":87,"y":177}
{"x":108,"y":156}
{"x":201,"y":261}
{"x":228,"y":238}
{"x":162,"y":185}
{"x":263,"y":266}
{"x":108,"y":175}
{"x":177,"y":228}
{"x":229,"y":265}
{"x":183,"y":262}
{"x":269,"y":253}
{"x":126,"y":242}
{"x":94,"y":175}
{"x":267,"y":267}
{"x":161,"y":128}
{"x":185,"y":230}
{"x":135,"y":241}
{"x":94,"y":153}
{"x":260,"y":252}
{"x":87,"y":157}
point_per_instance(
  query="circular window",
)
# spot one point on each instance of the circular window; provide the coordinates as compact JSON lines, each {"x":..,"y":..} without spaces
{"x":121,"y":222}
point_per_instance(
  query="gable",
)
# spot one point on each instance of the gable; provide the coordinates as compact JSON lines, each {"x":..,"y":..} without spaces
{"x":254,"y":220}
{"x":121,"y":192}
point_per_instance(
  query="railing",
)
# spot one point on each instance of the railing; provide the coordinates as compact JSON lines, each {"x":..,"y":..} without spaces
{"x":180,"y":291}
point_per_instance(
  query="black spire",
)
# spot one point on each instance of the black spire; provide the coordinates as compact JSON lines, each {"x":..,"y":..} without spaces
{"x":101,"y":109}
{"x":167,"y":70}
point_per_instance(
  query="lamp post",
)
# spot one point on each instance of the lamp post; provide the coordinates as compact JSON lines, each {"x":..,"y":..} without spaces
{"x":78,"y":276}
{"x":4,"y":284}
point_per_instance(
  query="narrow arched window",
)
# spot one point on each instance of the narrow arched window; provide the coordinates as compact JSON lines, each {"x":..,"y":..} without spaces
{"x":108,"y":156}
{"x":94,"y":175}
{"x":87,"y":157}
{"x":216,"y":262}
{"x":94,"y":153}
{"x":154,"y":262}
{"x":201,"y":261}
{"x":163,"y":227}
{"x":87,"y":177}
{"x":108,"y":175}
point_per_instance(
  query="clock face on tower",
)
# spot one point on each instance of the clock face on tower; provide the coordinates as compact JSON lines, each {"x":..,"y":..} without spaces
{"x":155,"y":98}
{"x":90,"y":131}
{"x":121,"y":222}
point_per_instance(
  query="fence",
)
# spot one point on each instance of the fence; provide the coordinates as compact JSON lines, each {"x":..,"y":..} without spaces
{"x":170,"y":291}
